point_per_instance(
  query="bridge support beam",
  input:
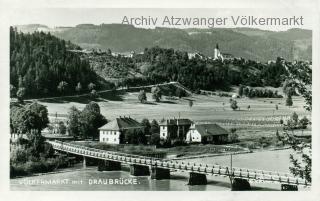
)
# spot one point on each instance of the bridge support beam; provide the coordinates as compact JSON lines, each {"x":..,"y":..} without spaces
{"x":84,"y":162}
{"x":197,"y":179}
{"x":240,"y":185}
{"x":139,"y":170}
{"x":289,"y":187}
{"x":160,"y":173}
{"x":106,"y":165}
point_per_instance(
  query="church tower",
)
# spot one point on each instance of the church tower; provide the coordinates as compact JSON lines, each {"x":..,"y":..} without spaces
{"x":216,"y":53}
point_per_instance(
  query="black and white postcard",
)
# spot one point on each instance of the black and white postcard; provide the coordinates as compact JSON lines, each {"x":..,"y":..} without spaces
{"x":146,"y":101}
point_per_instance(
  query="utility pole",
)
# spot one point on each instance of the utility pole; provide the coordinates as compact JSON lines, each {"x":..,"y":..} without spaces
{"x":231,"y":171}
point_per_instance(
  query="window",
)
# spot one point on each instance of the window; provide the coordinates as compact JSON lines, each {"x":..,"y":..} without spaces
{"x":115,"y":133}
{"x":163,"y":134}
{"x":107,"y":139}
{"x":115,"y":139}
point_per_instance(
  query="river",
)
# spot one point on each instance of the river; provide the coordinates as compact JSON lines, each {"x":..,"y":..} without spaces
{"x":89,"y":179}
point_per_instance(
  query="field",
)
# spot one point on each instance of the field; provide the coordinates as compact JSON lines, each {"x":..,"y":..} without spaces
{"x":261,"y":120}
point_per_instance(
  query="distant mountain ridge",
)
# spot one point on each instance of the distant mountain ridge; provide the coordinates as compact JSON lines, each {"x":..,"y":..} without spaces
{"x":249,"y":43}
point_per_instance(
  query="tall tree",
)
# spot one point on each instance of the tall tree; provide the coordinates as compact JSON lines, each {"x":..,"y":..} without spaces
{"x":142,"y":96}
{"x":74,"y":122}
{"x":91,"y":120}
{"x":156,"y":93}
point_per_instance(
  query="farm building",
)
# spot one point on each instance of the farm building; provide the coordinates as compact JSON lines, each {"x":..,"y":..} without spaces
{"x":206,"y":133}
{"x":113,"y":132}
{"x":174,"y":129}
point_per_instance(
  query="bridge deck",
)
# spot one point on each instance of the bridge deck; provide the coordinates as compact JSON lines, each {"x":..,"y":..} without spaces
{"x":244,"y":173}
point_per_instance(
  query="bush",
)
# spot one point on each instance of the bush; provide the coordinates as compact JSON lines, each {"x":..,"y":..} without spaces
{"x":18,"y":154}
{"x":17,"y":170}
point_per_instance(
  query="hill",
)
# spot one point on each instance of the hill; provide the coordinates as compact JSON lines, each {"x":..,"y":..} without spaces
{"x":43,"y":65}
{"x":253,"y":44}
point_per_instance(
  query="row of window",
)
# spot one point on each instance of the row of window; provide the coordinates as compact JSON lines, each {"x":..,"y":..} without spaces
{"x":107,"y":139}
{"x":109,"y":132}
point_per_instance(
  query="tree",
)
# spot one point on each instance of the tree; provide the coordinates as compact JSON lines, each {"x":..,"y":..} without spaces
{"x":78,"y":87}
{"x":30,"y":120}
{"x":300,"y":76}
{"x":155,"y":139}
{"x":233,"y":136}
{"x":13,"y":91}
{"x":74,"y":122}
{"x":62,"y":128}
{"x":234,"y":104}
{"x":240,"y":90}
{"x":147,"y":126}
{"x":91,"y":86}
{"x":91,"y":120}
{"x":142,"y":96}
{"x":155,"y":128}
{"x":295,"y":118}
{"x":246,"y":91}
{"x":93,"y":94}
{"x":289,"y":101}
{"x":21,"y":94}
{"x":304,"y":122}
{"x":62,"y":87}
{"x":37,"y":117}
{"x":156,"y":93}
{"x":190,"y":103}
{"x":179,"y":93}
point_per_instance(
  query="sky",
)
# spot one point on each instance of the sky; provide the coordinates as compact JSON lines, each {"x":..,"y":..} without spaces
{"x":53,"y":17}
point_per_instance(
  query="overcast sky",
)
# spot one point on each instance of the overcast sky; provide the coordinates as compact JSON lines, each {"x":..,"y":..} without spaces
{"x":72,"y":16}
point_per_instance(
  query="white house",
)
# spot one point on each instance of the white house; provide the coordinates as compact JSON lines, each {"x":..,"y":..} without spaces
{"x":206,"y":133}
{"x":172,"y":129}
{"x":112,"y":132}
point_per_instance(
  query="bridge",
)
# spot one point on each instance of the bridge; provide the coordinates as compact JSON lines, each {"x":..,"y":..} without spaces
{"x":160,"y":168}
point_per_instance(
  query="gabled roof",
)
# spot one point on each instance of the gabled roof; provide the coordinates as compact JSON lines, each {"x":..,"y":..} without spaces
{"x":175,"y":122}
{"x":121,"y":123}
{"x":210,"y":129}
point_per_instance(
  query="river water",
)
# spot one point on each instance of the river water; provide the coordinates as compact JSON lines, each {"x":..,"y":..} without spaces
{"x":89,"y":179}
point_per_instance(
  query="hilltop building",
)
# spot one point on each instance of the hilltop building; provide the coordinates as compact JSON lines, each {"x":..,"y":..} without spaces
{"x":207,"y":133}
{"x":217,"y":54}
{"x":113,"y":132}
{"x":196,"y":54}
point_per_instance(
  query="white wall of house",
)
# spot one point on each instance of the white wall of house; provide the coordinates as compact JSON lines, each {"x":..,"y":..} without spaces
{"x":163,"y":132}
{"x":193,"y":136}
{"x":109,"y":137}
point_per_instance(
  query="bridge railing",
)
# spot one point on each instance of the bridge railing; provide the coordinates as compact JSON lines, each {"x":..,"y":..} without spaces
{"x":181,"y":165}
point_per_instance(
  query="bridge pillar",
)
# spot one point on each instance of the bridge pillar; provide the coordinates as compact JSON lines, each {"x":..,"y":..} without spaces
{"x":139,"y":170}
{"x":106,"y":165}
{"x":160,"y":173}
{"x":197,"y":179}
{"x":240,"y":185}
{"x":289,"y":187}
{"x":84,"y":162}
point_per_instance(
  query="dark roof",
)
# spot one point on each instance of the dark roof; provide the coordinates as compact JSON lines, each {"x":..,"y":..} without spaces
{"x":175,"y":122}
{"x":121,"y":123}
{"x":210,"y":129}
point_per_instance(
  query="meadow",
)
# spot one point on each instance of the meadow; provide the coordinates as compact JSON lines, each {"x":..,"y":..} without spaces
{"x":262,"y":119}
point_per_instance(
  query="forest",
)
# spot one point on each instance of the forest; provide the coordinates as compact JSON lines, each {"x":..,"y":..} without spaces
{"x":203,"y":73}
{"x":42,"y":65}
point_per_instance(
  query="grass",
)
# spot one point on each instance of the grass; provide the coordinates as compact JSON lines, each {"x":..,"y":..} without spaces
{"x":261,"y":120}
